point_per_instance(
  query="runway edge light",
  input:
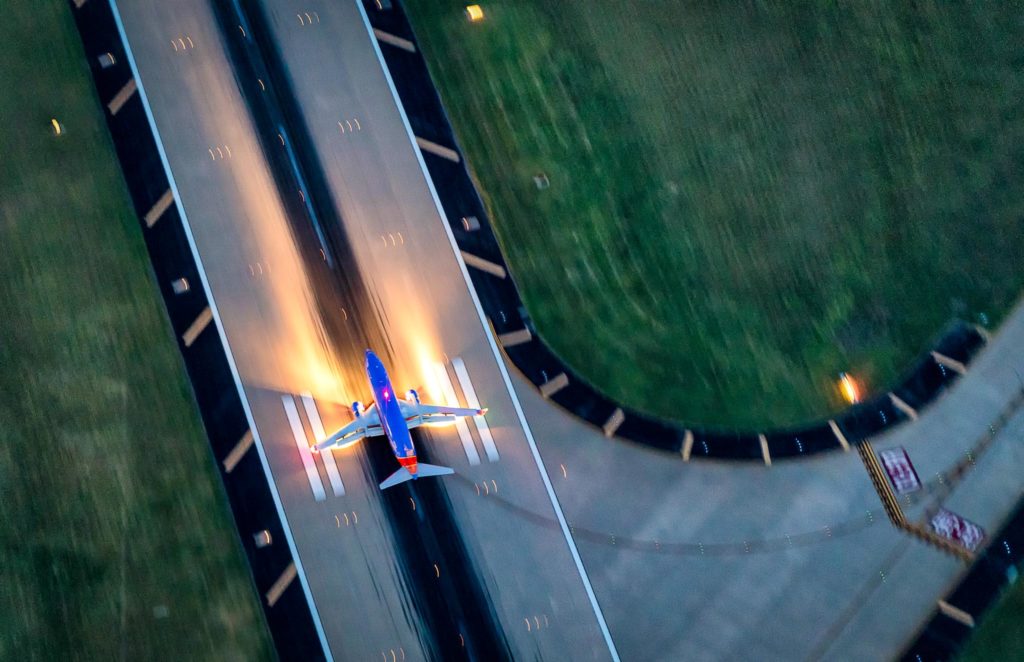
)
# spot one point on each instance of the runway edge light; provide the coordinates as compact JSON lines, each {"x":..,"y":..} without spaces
{"x":849,"y":387}
{"x":475,"y":13}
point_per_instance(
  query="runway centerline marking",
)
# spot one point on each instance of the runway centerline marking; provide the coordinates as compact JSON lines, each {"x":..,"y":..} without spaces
{"x":302,"y":444}
{"x":473,"y":402}
{"x":327,"y":455}
{"x":448,"y":390}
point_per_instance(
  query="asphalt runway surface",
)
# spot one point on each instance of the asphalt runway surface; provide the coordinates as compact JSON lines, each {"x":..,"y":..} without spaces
{"x":319,"y":236}
{"x":424,"y":569}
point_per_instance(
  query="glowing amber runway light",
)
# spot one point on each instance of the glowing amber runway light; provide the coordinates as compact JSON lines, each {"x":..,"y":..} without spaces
{"x":849,"y":387}
{"x":475,"y":13}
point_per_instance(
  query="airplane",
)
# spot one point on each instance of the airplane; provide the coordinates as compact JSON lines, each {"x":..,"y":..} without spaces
{"x":393,"y":417}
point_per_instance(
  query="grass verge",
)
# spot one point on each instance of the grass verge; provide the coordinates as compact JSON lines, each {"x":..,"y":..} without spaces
{"x":1001,"y":634}
{"x":115,"y":538}
{"x":745,"y":198}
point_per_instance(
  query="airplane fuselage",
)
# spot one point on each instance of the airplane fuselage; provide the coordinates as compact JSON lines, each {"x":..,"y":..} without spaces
{"x":392,"y":419}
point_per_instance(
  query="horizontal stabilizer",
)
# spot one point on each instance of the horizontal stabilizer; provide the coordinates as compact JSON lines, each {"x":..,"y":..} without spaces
{"x":399,"y":476}
{"x":423,"y":471}
{"x":426,"y":470}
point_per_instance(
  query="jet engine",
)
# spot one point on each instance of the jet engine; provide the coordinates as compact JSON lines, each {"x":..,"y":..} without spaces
{"x":412,"y":396}
{"x":358,"y":409}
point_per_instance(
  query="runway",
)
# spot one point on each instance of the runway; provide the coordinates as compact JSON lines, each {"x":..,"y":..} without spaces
{"x":479,"y":564}
{"x":295,"y":328}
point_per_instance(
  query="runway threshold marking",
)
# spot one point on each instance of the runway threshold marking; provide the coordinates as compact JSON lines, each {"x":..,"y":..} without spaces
{"x":460,"y":423}
{"x":302,"y":444}
{"x":327,"y":455}
{"x":472,"y":401}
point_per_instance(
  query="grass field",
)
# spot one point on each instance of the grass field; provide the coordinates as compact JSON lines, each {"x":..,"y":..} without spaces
{"x":1000,"y":636}
{"x":112,"y":509}
{"x":745,"y":198}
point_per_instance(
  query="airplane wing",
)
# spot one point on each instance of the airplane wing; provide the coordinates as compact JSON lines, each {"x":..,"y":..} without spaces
{"x":417,"y":413}
{"x":367,"y":425}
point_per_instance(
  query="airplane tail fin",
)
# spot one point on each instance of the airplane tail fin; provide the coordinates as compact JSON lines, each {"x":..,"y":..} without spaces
{"x":424,"y":470}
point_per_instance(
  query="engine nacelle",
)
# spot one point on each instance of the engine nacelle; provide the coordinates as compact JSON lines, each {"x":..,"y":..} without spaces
{"x":358,"y":409}
{"x":412,"y":396}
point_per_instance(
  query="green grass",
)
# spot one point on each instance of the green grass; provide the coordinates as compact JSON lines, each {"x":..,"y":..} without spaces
{"x":111,"y":502}
{"x":746,"y":198}
{"x":1000,"y":636}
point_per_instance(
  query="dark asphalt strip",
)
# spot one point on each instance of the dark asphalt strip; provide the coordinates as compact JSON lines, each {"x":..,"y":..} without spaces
{"x":456,"y":620}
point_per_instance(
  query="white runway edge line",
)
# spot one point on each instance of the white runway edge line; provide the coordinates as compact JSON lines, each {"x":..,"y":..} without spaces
{"x":473,"y":402}
{"x":327,"y":455}
{"x":220,"y":331}
{"x":451,"y":400}
{"x":308,"y":463}
{"x":494,"y":347}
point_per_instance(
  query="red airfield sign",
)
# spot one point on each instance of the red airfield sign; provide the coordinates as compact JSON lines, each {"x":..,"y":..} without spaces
{"x":901,"y":472}
{"x":963,"y":532}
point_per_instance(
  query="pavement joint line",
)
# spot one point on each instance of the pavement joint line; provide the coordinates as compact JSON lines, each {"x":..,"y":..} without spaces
{"x":159,"y":207}
{"x":246,"y":405}
{"x":554,"y":385}
{"x":484,"y":265}
{"x":952,"y":364}
{"x":394,"y":40}
{"x":238,"y":452}
{"x":765,"y":454}
{"x":197,"y":327}
{"x":513,"y":338}
{"x":452,"y":400}
{"x":839,"y":436}
{"x":122,"y":97}
{"x":474,"y":403}
{"x":502,"y":368}
{"x":613,"y":422}
{"x":903,"y":406}
{"x":687,"y":445}
{"x":319,"y":434}
{"x":438,"y":150}
{"x":282,"y":583}
{"x":957,"y":614}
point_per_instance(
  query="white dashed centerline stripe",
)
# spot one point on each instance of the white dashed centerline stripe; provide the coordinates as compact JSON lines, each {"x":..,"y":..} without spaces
{"x":471,"y":400}
{"x":302,"y":444}
{"x":452,"y":400}
{"x":327,"y":454}
{"x":563,"y":525}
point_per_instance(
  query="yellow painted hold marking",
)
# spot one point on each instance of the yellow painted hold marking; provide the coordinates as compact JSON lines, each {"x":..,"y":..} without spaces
{"x":337,"y":521}
{"x":527,"y":621}
{"x":346,"y":519}
{"x":437,"y":571}
{"x":486,"y":489}
{"x":495,"y":486}
{"x":242,"y":30}
{"x":355,"y":517}
{"x":565,"y":474}
{"x":262,"y":86}
{"x":190,"y":44}
{"x":413,"y":503}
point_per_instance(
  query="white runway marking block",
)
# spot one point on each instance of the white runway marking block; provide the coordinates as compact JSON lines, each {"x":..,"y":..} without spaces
{"x":451,"y":400}
{"x":319,"y":435}
{"x":472,"y":401}
{"x":315,"y":483}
